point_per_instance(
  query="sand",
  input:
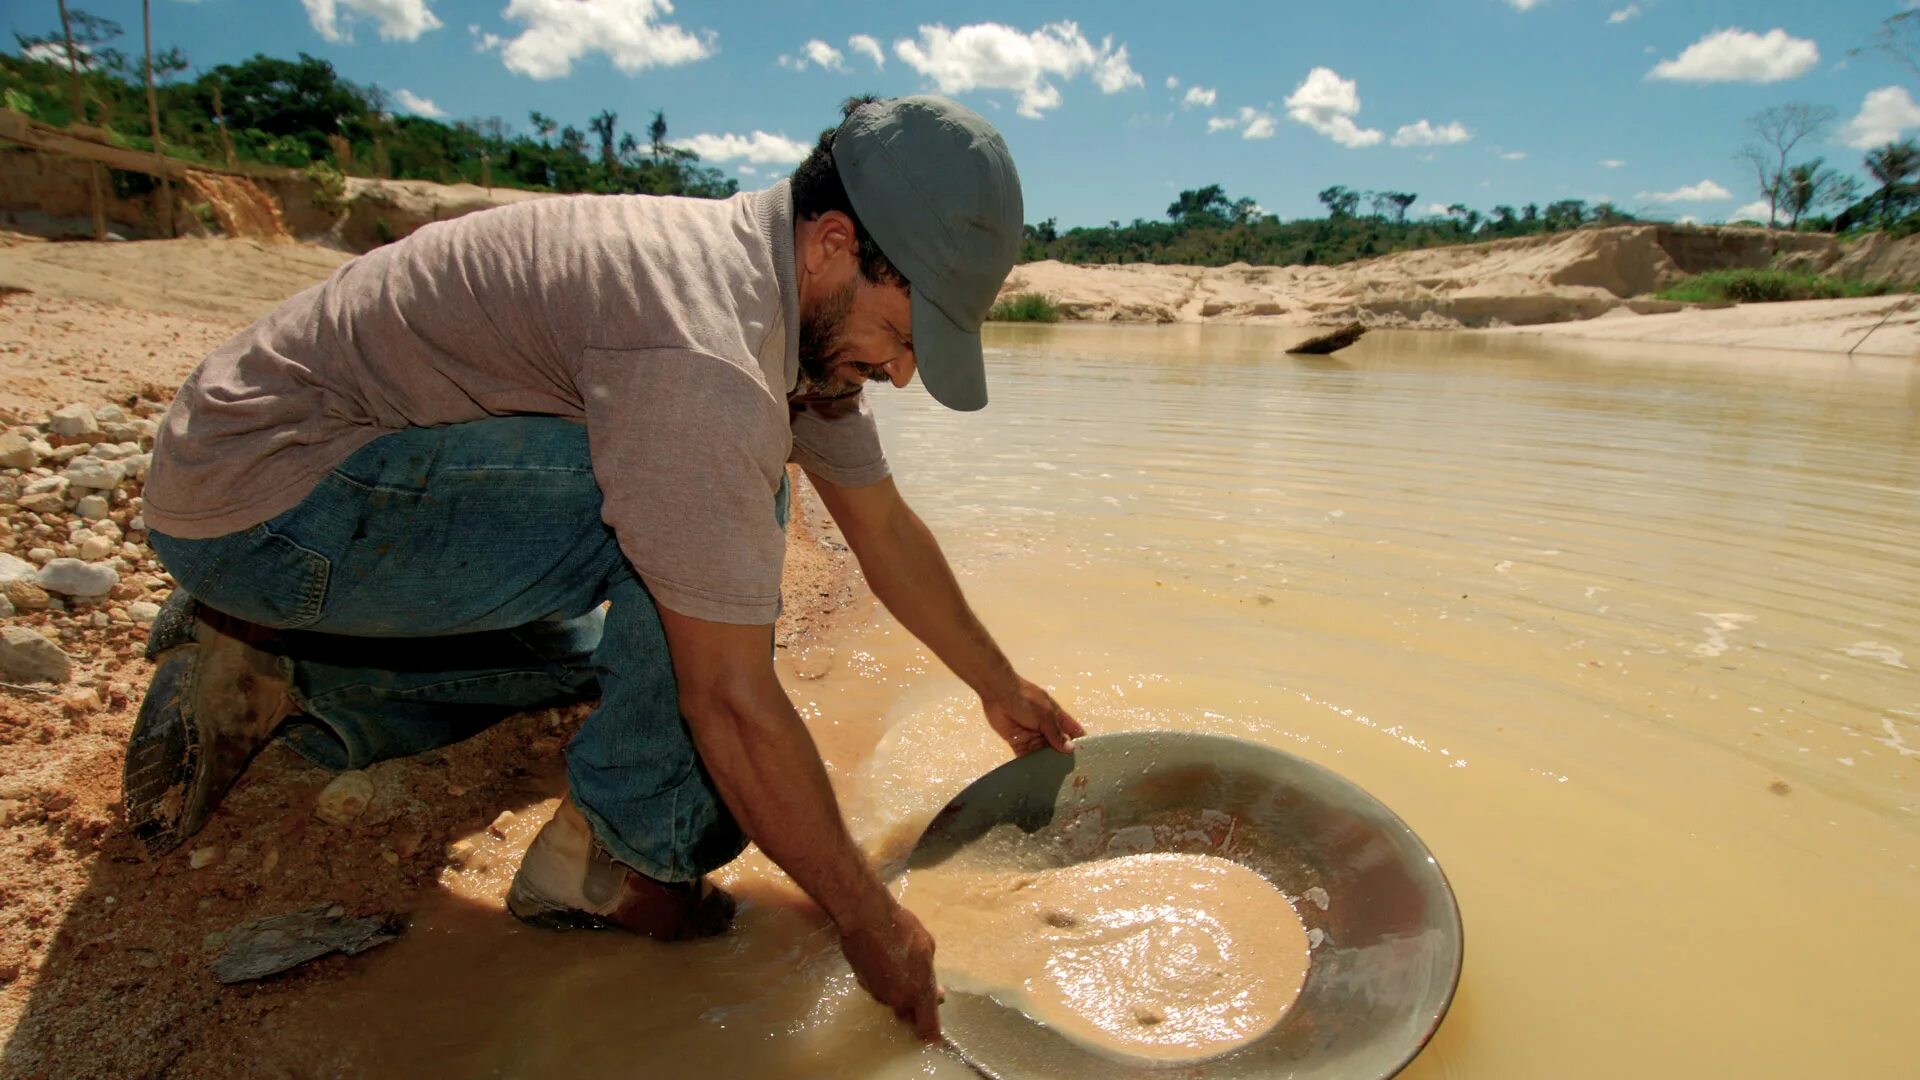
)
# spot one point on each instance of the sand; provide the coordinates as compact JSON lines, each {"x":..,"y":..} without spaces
{"x":1167,"y":957}
{"x":1567,"y":281}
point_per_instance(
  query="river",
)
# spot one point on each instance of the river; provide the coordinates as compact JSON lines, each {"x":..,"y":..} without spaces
{"x":1628,"y":635}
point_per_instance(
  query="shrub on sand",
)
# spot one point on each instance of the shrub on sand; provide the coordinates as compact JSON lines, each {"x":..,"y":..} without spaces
{"x":1024,"y":307}
{"x":1765,"y":286}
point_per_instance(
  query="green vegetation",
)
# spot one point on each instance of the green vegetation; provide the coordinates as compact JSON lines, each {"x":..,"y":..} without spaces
{"x":1765,"y":286}
{"x":299,"y":113}
{"x":1206,"y":228}
{"x":1024,"y":307}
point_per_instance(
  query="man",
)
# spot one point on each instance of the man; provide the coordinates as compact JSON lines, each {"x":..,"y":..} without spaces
{"x":395,"y":507}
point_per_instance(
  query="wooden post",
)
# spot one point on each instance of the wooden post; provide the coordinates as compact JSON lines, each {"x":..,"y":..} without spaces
{"x":153,"y":120}
{"x":220,"y":120}
{"x":80,"y":117}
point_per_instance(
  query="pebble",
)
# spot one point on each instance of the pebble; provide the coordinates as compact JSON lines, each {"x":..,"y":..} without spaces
{"x":42,"y":555}
{"x":501,"y":824}
{"x":82,"y":701}
{"x":17,"y":453}
{"x":72,"y":420}
{"x":344,"y":798}
{"x":110,"y":414}
{"x":95,"y":548}
{"x":71,"y":577}
{"x":202,"y":857}
{"x":26,"y":656}
{"x":14,"y":568}
{"x":143,"y":611}
{"x":468,"y":855}
{"x":6,"y":607}
{"x":91,"y":507}
{"x":89,"y":472}
{"x":25,"y":595}
{"x":45,"y":502}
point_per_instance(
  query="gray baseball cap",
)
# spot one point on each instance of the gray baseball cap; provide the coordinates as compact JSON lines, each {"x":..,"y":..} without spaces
{"x":933,"y":183}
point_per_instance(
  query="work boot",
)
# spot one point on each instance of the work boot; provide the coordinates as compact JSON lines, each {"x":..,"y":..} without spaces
{"x":567,"y":881}
{"x":215,"y":700}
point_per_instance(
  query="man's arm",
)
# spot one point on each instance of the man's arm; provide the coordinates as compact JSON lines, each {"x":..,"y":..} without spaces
{"x":768,"y":770}
{"x":909,"y":573}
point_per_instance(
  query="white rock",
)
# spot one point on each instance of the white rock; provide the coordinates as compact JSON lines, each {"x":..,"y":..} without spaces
{"x":344,"y":798}
{"x":48,"y":485}
{"x":110,"y":414}
{"x":71,"y":420}
{"x":89,"y":472}
{"x":95,"y":548}
{"x":14,"y":568}
{"x":72,"y":577}
{"x":41,"y":555}
{"x":141,"y":463}
{"x":17,"y":453}
{"x":44,"y":503}
{"x":114,"y":451}
{"x":138,"y":524}
{"x":202,"y":858}
{"x":62,"y":455}
{"x":143,"y":611}
{"x":6,"y":607}
{"x":25,"y":656}
{"x":92,"y":507}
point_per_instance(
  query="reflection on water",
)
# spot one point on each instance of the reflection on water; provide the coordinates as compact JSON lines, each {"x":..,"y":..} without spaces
{"x":1629,"y":639}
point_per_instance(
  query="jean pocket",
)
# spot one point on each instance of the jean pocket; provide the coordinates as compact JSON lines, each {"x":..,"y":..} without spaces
{"x":264,"y":577}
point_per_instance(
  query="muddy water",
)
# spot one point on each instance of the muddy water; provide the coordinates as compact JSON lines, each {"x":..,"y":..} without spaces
{"x":1628,"y":638}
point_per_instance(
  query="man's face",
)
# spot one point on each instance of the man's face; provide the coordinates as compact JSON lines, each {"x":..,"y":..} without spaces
{"x":860,"y":333}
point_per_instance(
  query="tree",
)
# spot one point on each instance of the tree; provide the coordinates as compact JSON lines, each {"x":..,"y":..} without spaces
{"x":1399,"y":200}
{"x":603,"y":126}
{"x":1777,"y":131}
{"x":1809,"y":186}
{"x":1891,"y":165}
{"x":1205,"y":203}
{"x":1899,"y":37}
{"x":1565,"y":214}
{"x":1341,"y":201}
{"x":657,"y":133}
{"x":542,"y":124}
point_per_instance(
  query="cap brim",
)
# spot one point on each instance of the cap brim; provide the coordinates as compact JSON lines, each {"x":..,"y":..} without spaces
{"x":949,"y":357}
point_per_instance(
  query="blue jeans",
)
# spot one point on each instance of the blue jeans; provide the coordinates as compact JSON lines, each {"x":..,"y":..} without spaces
{"x":444,"y":578}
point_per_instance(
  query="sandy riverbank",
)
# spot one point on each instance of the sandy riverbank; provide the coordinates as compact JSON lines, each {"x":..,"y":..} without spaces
{"x":1591,"y":283}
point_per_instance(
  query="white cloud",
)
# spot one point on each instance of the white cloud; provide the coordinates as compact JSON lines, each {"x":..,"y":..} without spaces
{"x":1328,"y":103}
{"x":1686,"y":219}
{"x":396,"y":20}
{"x":1512,"y":155}
{"x":55,"y":53}
{"x":1612,"y":163}
{"x":1423,"y":133}
{"x":1753,"y":211}
{"x":759,"y":148}
{"x":817,"y":53}
{"x":1252,"y":123}
{"x":1199,"y":97}
{"x":868,"y":46}
{"x":1173,"y":82}
{"x":559,"y":32}
{"x":989,"y":56}
{"x":1704,"y":191}
{"x":1741,"y":56}
{"x":1631,"y":11}
{"x":416,"y":104}
{"x":1884,"y":114}
{"x":1435,"y":209}
{"x":1524,"y":5}
{"x":746,"y":170}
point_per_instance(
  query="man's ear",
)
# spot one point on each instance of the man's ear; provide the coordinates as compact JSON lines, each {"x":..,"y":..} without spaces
{"x":832,"y":244}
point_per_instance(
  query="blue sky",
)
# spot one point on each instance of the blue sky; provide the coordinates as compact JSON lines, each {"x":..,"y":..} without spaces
{"x":1637,"y":101}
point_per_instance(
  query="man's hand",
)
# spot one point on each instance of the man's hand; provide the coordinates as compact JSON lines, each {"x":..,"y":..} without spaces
{"x":893,"y":959}
{"x":1028,"y":718}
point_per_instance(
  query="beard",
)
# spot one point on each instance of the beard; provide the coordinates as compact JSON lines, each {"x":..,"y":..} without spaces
{"x":822,"y":352}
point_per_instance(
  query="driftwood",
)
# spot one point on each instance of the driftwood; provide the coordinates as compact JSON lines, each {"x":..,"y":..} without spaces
{"x":1332,"y":341}
{"x":278,"y":943}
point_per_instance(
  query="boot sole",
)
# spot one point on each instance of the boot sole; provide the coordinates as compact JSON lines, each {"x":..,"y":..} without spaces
{"x":163,"y":767}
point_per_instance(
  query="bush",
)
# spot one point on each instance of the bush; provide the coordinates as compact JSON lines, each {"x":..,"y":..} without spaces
{"x":1024,"y":307}
{"x":329,"y":187}
{"x":1765,"y":286}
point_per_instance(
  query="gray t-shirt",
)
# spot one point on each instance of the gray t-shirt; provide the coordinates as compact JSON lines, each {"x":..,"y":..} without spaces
{"x":669,"y":326}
